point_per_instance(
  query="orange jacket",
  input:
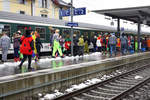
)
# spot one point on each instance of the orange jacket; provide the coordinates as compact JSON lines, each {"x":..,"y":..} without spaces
{"x":148,"y":43}
{"x":118,"y":42}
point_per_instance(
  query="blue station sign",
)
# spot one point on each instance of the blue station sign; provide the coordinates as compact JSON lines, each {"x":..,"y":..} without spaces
{"x":76,"y":11}
{"x":79,"y":11}
{"x":65,"y":12}
{"x":122,"y":28}
{"x":72,"y":24}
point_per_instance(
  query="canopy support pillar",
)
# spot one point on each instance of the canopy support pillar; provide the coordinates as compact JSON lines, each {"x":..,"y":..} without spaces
{"x":118,"y":25}
{"x":139,"y":33}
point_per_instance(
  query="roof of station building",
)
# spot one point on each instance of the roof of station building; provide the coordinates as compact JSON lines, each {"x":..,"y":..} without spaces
{"x":130,"y":14}
{"x":61,"y":3}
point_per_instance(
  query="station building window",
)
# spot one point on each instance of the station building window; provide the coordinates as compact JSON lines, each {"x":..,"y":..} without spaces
{"x":22,"y":12}
{"x":42,"y":32}
{"x":5,"y":28}
{"x":22,"y":1}
{"x":44,"y":15}
{"x":44,"y":3}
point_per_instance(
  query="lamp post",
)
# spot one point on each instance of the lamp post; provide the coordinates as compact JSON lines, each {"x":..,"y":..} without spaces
{"x":71,"y":28}
{"x":31,"y":7}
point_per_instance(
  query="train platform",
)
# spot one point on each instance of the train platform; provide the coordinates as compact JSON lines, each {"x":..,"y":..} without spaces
{"x":58,"y":73}
{"x":10,"y":67}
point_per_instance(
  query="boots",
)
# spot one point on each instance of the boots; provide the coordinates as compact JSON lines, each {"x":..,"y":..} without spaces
{"x":15,"y":59}
{"x":18,"y":59}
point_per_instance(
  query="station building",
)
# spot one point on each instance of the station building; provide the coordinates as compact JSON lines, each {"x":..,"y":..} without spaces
{"x":43,"y":8}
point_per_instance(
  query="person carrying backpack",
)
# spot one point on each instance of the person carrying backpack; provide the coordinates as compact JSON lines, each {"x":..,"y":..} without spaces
{"x":112,"y":44}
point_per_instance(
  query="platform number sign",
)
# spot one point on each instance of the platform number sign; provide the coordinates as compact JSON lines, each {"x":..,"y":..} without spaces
{"x":72,"y":24}
{"x":122,"y":28}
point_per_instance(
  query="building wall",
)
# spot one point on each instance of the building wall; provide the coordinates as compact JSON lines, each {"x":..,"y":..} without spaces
{"x":52,"y":10}
{"x":15,"y":7}
{"x":1,"y":4}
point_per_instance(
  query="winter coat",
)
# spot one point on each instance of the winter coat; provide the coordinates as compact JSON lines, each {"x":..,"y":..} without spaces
{"x":75,"y":41}
{"x":98,"y":42}
{"x":87,"y":40}
{"x":62,"y":41}
{"x":16,"y":43}
{"x":148,"y":43}
{"x":67,"y":43}
{"x":118,"y":42}
{"x":56,"y":37}
{"x":103,"y":41}
{"x":5,"y":42}
{"x":27,"y":45}
{"x":112,"y":40}
{"x":94,"y":41}
{"x":34,"y":38}
{"x":124,"y":40}
{"x":38,"y":43}
{"x":51,"y":39}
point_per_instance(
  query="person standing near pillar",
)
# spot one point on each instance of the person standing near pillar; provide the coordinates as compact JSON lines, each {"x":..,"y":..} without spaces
{"x":5,"y":45}
{"x":136,"y":44}
{"x":75,"y":45}
{"x":81,"y":45}
{"x":68,"y":45}
{"x":124,"y":43}
{"x":56,"y":44}
{"x":112,"y":44}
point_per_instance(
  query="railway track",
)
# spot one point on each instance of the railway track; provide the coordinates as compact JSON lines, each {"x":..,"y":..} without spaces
{"x":115,"y":88}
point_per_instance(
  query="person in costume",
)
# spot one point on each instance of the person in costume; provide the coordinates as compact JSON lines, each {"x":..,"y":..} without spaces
{"x":81,"y":45}
{"x":35,"y":54}
{"x":68,"y":45}
{"x":27,"y":48}
{"x":56,"y":44}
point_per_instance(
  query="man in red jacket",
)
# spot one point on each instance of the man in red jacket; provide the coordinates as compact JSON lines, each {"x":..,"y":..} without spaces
{"x":27,"y":48}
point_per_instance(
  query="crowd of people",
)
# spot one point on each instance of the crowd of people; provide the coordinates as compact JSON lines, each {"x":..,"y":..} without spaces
{"x":28,"y":45}
{"x":104,"y":43}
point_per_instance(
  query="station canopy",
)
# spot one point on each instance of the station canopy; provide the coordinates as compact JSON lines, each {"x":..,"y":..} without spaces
{"x":134,"y":14}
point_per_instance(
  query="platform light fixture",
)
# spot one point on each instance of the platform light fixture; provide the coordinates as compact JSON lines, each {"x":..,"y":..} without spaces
{"x":125,"y":22}
{"x":112,"y":23}
{"x":108,"y":18}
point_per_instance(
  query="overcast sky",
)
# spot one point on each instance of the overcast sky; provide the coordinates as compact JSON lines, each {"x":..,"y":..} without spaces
{"x":105,"y":4}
